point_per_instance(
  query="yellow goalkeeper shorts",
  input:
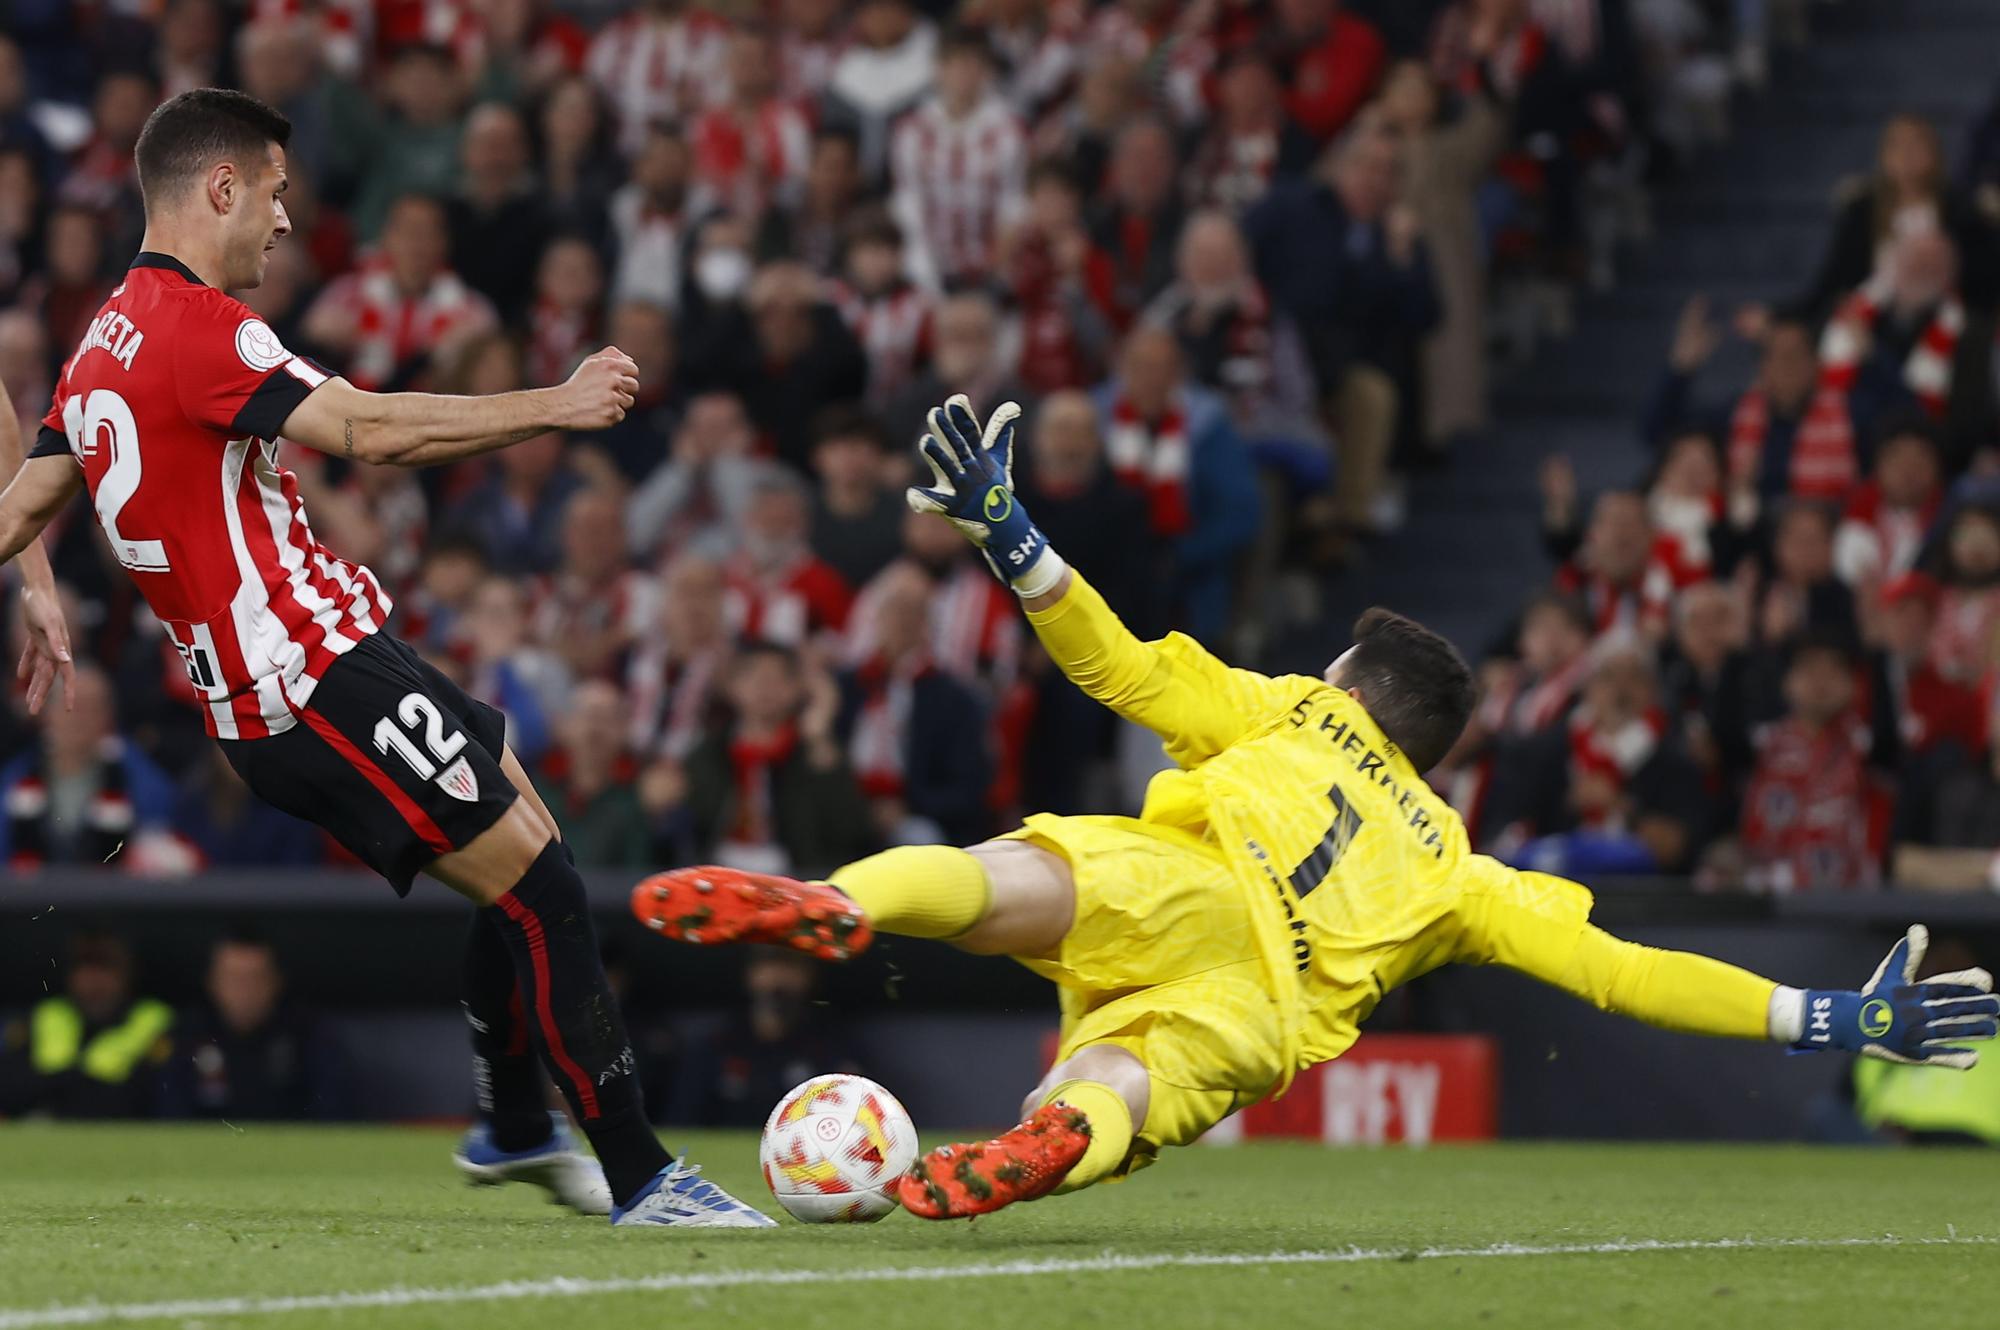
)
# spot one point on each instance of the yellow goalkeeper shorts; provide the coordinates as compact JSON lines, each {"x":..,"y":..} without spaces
{"x":1163,"y":961}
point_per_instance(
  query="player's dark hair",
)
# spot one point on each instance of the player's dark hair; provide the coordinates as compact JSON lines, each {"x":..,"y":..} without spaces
{"x":188,"y":134}
{"x":1414,"y":683}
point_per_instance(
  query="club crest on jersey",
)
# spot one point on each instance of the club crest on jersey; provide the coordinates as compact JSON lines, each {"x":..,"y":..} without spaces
{"x":458,"y":781}
{"x":259,"y":346}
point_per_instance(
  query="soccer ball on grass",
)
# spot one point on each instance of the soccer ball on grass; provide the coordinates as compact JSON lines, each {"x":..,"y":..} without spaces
{"x":833,"y":1149}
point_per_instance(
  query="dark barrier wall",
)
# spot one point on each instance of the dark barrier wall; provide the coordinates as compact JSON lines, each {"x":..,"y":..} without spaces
{"x":389,"y":970}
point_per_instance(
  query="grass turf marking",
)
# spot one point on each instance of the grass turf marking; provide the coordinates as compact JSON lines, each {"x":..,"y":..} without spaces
{"x":35,"y":1318}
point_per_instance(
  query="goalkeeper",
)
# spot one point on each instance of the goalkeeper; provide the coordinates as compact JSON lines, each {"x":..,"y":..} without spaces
{"x":1291,"y":869}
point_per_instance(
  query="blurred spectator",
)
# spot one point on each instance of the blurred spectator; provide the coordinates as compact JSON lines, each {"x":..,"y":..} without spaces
{"x":662,"y":59}
{"x":1035,"y":43}
{"x":1958,"y":847}
{"x":1906,"y":194}
{"x":1174,"y":444}
{"x":18,"y":127}
{"x":1109,"y":93}
{"x":1218,"y":314}
{"x":968,"y":355}
{"x":887,"y":67}
{"x":101,"y":178}
{"x":1791,"y":432}
{"x":810,"y":38}
{"x":248,"y":1055}
{"x":1686,"y":506}
{"x":521,"y":48}
{"x":24,"y":366}
{"x":887,"y":313}
{"x":1102,"y":525}
{"x":516,"y":513}
{"x":1137,"y":222}
{"x":412,"y":147}
{"x":1614,"y":569}
{"x":190,"y":50}
{"x":499,"y":217}
{"x":1347,"y":266}
{"x":812,"y":228}
{"x":794,"y":358}
{"x":84,"y":793}
{"x":648,"y":221}
{"x":778,"y":589}
{"x":976,"y":626}
{"x":1447,"y":158}
{"x":731,"y":1077}
{"x":635,"y":445}
{"x":1906,"y":341}
{"x":404,"y":309}
{"x":569,"y":294}
{"x":914,"y":729}
{"x":1941,"y":723}
{"x":504,"y":667}
{"x":68,"y":295}
{"x":673,"y":685}
{"x":1524,"y":707}
{"x":278,"y":62}
{"x":1965,"y":645}
{"x":92,"y":1051}
{"x":1888,"y":516}
{"x":1251,"y":140}
{"x":1170,"y":43}
{"x":1704,"y":686}
{"x":593,"y":608}
{"x":772,"y":791}
{"x":431,"y":613}
{"x":958,"y":164}
{"x":857,"y":521}
{"x":1802,"y":591}
{"x":1057,"y":276}
{"x":20,"y":219}
{"x":1330,"y":62}
{"x":751,"y":147}
{"x":229,"y":827}
{"x":587,"y":782}
{"x":1807,"y":811}
{"x":580,"y":169}
{"x":696,"y":498}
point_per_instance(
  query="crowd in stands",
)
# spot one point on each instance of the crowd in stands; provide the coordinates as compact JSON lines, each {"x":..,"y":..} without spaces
{"x":1245,"y":261}
{"x":1772,"y":663}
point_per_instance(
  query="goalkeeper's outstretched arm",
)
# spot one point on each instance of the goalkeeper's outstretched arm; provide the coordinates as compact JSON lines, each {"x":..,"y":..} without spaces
{"x":1539,"y":925}
{"x":1173,"y":687}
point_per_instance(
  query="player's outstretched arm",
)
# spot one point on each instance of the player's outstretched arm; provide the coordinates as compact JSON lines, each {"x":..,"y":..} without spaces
{"x":425,"y":429}
{"x":46,"y":657}
{"x":32,"y":499}
{"x":1174,"y":688}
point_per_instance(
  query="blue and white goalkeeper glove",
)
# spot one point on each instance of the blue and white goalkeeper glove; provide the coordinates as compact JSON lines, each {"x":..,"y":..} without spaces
{"x":1900,"y":1019}
{"x":975,"y":492}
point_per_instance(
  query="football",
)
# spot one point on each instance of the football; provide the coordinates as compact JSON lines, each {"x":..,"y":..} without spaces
{"x":833,"y":1149}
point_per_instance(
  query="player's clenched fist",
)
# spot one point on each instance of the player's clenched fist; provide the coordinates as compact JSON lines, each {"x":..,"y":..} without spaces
{"x":601,"y":390}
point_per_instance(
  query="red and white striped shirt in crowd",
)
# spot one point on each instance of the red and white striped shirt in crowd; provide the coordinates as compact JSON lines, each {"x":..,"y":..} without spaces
{"x":894,"y":329}
{"x":672,"y":695}
{"x":565,"y":610}
{"x":957,"y":179}
{"x":975,"y":625}
{"x":657,"y":68}
{"x":1040,"y":57}
{"x":790,"y":606}
{"x":171,"y":406}
{"x":805,"y":66}
{"x":877,"y":750}
{"x":1879,"y":539}
{"x":649,"y":250}
{"x":745,"y":161}
{"x":392,"y":327}
{"x":1174,"y":57}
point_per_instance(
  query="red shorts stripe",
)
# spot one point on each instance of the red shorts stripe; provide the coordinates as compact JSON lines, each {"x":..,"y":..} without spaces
{"x":410,"y":811}
{"x":538,"y":954}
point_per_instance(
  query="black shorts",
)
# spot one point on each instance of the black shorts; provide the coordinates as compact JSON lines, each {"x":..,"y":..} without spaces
{"x":393,"y":759}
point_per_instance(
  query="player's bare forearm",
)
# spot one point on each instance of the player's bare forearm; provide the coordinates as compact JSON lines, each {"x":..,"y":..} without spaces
{"x":33,"y":497}
{"x":33,"y":560}
{"x":426,"y":429}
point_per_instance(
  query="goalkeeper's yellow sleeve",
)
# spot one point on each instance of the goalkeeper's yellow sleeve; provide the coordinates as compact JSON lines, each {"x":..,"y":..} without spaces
{"x":1676,"y":990}
{"x":1173,"y":687}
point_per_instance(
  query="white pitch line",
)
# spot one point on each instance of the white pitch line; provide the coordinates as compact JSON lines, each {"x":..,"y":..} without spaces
{"x":35,"y":1318}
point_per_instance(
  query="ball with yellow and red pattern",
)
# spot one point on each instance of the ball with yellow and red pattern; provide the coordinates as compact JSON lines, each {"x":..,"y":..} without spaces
{"x":833,"y":1149}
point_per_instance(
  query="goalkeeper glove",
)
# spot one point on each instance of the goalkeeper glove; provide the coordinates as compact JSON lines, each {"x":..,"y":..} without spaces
{"x":975,"y":492}
{"x":1898,"y":1018}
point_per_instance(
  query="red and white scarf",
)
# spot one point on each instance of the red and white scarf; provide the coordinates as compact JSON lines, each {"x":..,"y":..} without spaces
{"x":558,"y":339}
{"x":1154,"y":458}
{"x":1823,"y":463}
{"x":1927,"y":372}
{"x":882,"y":726}
{"x":672,"y":698}
{"x":894,"y":329}
{"x":751,"y":762}
{"x":1615,"y":752}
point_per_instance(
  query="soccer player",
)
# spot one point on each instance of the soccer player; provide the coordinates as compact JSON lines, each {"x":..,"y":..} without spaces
{"x":169,"y":412}
{"x":1291,"y":870}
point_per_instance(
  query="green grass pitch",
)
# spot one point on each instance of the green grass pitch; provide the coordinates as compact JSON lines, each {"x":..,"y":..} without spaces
{"x":216,"y":1226}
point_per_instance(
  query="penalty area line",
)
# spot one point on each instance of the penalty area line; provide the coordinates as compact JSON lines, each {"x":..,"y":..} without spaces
{"x":94,"y":1313}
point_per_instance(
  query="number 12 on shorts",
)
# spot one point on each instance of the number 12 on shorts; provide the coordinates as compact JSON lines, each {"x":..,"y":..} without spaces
{"x":416,"y":710}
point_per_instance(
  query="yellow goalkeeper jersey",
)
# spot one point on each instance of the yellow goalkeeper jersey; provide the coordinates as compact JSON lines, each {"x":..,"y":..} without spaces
{"x":1362,"y":875}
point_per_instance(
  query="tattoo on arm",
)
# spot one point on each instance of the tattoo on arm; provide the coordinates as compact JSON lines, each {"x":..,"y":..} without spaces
{"x":348,"y":437}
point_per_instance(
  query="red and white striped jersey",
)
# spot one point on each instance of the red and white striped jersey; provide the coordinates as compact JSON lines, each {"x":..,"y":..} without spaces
{"x":894,"y":329}
{"x":956,"y":181}
{"x":391,"y":328}
{"x":653,"y":69}
{"x":744,"y":163}
{"x":171,"y":405}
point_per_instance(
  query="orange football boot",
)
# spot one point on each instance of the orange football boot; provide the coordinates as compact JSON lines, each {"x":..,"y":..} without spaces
{"x":959,"y":1181}
{"x":707,"y":905}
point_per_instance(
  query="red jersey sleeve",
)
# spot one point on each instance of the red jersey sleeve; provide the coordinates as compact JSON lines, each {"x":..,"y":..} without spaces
{"x":234,"y":375}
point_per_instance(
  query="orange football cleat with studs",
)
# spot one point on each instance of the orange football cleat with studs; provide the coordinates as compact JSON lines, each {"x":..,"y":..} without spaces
{"x":709,"y":905}
{"x":1029,"y":1162}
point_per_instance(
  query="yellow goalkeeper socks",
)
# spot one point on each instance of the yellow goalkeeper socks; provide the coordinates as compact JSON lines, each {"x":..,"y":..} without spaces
{"x":1110,"y":1129}
{"x":919,"y":890}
